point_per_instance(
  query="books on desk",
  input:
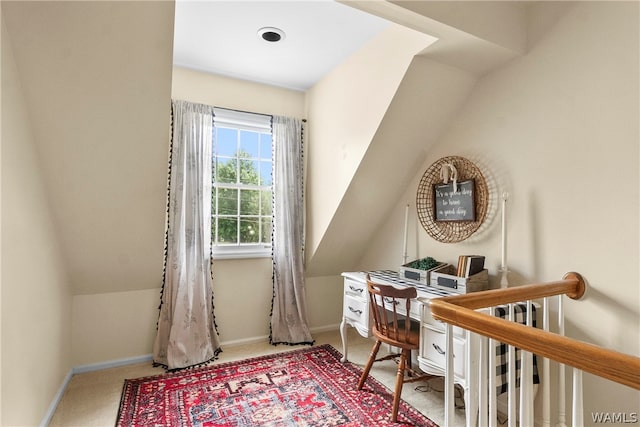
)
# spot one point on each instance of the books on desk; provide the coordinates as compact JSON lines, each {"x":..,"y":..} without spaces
{"x":447,"y":277}
{"x":468,"y":265}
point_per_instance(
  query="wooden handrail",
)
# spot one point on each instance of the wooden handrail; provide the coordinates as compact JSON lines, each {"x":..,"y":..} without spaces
{"x":459,"y":311}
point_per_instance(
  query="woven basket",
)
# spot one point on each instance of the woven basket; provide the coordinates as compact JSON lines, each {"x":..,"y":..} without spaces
{"x":451,"y":231}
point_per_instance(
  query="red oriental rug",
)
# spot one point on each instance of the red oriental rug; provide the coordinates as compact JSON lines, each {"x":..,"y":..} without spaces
{"x":308,"y":387}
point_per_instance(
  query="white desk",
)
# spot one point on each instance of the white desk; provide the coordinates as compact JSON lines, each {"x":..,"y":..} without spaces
{"x":431,"y":357}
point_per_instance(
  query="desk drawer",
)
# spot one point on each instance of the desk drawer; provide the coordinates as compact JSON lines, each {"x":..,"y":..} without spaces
{"x":356,"y":309}
{"x":427,"y":319}
{"x":433,"y":342}
{"x":355,"y":289}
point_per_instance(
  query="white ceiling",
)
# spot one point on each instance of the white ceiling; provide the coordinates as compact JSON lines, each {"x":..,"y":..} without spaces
{"x":221,"y":37}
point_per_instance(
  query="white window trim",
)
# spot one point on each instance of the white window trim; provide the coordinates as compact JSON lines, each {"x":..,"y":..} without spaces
{"x":251,"y":122}
{"x":248,"y":121}
{"x":240,"y":251}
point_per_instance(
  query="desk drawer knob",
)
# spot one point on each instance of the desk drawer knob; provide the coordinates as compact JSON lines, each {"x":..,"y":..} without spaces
{"x":353,"y":288}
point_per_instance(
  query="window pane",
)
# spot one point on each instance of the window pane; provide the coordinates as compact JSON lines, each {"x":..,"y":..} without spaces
{"x":266,"y":230}
{"x":226,"y":170}
{"x":227,"y":201}
{"x":267,"y":202}
{"x":227,"y":230}
{"x":265,"y":146}
{"x":249,"y":143}
{"x":249,"y":202}
{"x":242,"y":177}
{"x":249,"y":172}
{"x":265,"y":173}
{"x":249,"y":232}
{"x":226,"y":142}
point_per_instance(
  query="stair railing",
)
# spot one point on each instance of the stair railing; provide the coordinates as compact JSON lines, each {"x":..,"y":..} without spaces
{"x":470,"y":312}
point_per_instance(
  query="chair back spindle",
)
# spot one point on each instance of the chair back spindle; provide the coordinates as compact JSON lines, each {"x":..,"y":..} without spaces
{"x":388,"y":320}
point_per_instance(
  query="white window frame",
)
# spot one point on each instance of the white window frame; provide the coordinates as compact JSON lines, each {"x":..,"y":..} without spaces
{"x":249,"y":122}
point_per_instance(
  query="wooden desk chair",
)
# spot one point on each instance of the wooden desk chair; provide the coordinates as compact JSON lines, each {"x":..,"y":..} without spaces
{"x":395,"y":329}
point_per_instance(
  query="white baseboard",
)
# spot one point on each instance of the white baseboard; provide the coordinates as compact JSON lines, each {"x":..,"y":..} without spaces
{"x":111,"y":364}
{"x":263,"y":338}
{"x":81,"y":369}
{"x":56,"y":400}
{"x":326,"y":328}
{"x":250,"y":340}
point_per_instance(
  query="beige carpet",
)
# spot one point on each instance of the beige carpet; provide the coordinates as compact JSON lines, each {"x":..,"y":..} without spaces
{"x":93,"y":398}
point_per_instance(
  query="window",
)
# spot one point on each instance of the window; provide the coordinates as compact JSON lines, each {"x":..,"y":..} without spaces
{"x":242,"y":183}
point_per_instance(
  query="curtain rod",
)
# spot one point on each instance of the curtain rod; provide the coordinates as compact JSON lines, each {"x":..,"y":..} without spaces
{"x":249,"y":112}
{"x":244,"y":111}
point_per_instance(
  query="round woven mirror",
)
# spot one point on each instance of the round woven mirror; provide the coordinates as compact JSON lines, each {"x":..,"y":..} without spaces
{"x":451,"y":231}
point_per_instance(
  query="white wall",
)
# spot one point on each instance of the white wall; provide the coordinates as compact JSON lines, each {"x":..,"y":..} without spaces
{"x":243,"y":287}
{"x":115,"y":325}
{"x":564,"y":116}
{"x":236,"y":94}
{"x":36,"y":296}
{"x":428,"y":89}
{"x":559,"y":129}
{"x":97,"y":79}
{"x":345,"y":109}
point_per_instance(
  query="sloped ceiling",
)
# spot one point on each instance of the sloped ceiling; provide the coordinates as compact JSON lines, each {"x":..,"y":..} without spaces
{"x":97,"y":81}
{"x":471,"y":41}
{"x":476,"y":36}
{"x":412,"y":123}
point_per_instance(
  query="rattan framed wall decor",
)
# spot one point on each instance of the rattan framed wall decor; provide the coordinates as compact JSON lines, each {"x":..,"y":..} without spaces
{"x":455,"y":174}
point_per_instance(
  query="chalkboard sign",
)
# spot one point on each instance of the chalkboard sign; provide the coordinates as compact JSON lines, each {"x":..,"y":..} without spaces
{"x":454,"y":206}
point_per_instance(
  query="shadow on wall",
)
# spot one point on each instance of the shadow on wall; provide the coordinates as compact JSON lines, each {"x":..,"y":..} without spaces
{"x":625,"y":314}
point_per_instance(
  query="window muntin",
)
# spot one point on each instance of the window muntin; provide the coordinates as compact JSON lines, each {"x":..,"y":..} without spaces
{"x":242,"y":184}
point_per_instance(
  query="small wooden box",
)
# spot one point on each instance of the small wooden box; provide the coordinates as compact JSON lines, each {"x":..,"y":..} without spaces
{"x":444,"y":277}
{"x":422,"y":276}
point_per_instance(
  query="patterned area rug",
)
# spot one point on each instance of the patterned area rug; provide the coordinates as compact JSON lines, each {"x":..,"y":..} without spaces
{"x":308,"y":387}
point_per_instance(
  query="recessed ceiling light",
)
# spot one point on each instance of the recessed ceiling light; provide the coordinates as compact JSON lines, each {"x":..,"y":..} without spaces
{"x":271,"y":34}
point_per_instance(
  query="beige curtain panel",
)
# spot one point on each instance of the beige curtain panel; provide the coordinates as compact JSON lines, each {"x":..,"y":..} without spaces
{"x":289,"y":309}
{"x":186,"y":333}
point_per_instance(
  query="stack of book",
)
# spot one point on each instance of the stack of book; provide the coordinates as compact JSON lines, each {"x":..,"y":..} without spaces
{"x":468,"y":265}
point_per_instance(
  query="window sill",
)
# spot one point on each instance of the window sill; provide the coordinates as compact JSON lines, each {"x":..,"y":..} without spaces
{"x":237,"y":253}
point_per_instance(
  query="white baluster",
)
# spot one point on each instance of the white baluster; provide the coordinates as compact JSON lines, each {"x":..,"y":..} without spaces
{"x":577,"y":410}
{"x":562,"y":420}
{"x":546,"y":375}
{"x":449,"y":396}
{"x":493,"y":408}
{"x":526,"y":378}
{"x":511,"y":366}
{"x":483,"y":371}
{"x":471,"y":386}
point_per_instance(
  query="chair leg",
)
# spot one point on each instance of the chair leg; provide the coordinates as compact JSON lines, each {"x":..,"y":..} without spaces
{"x":399,"y":382}
{"x":367,"y":368}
